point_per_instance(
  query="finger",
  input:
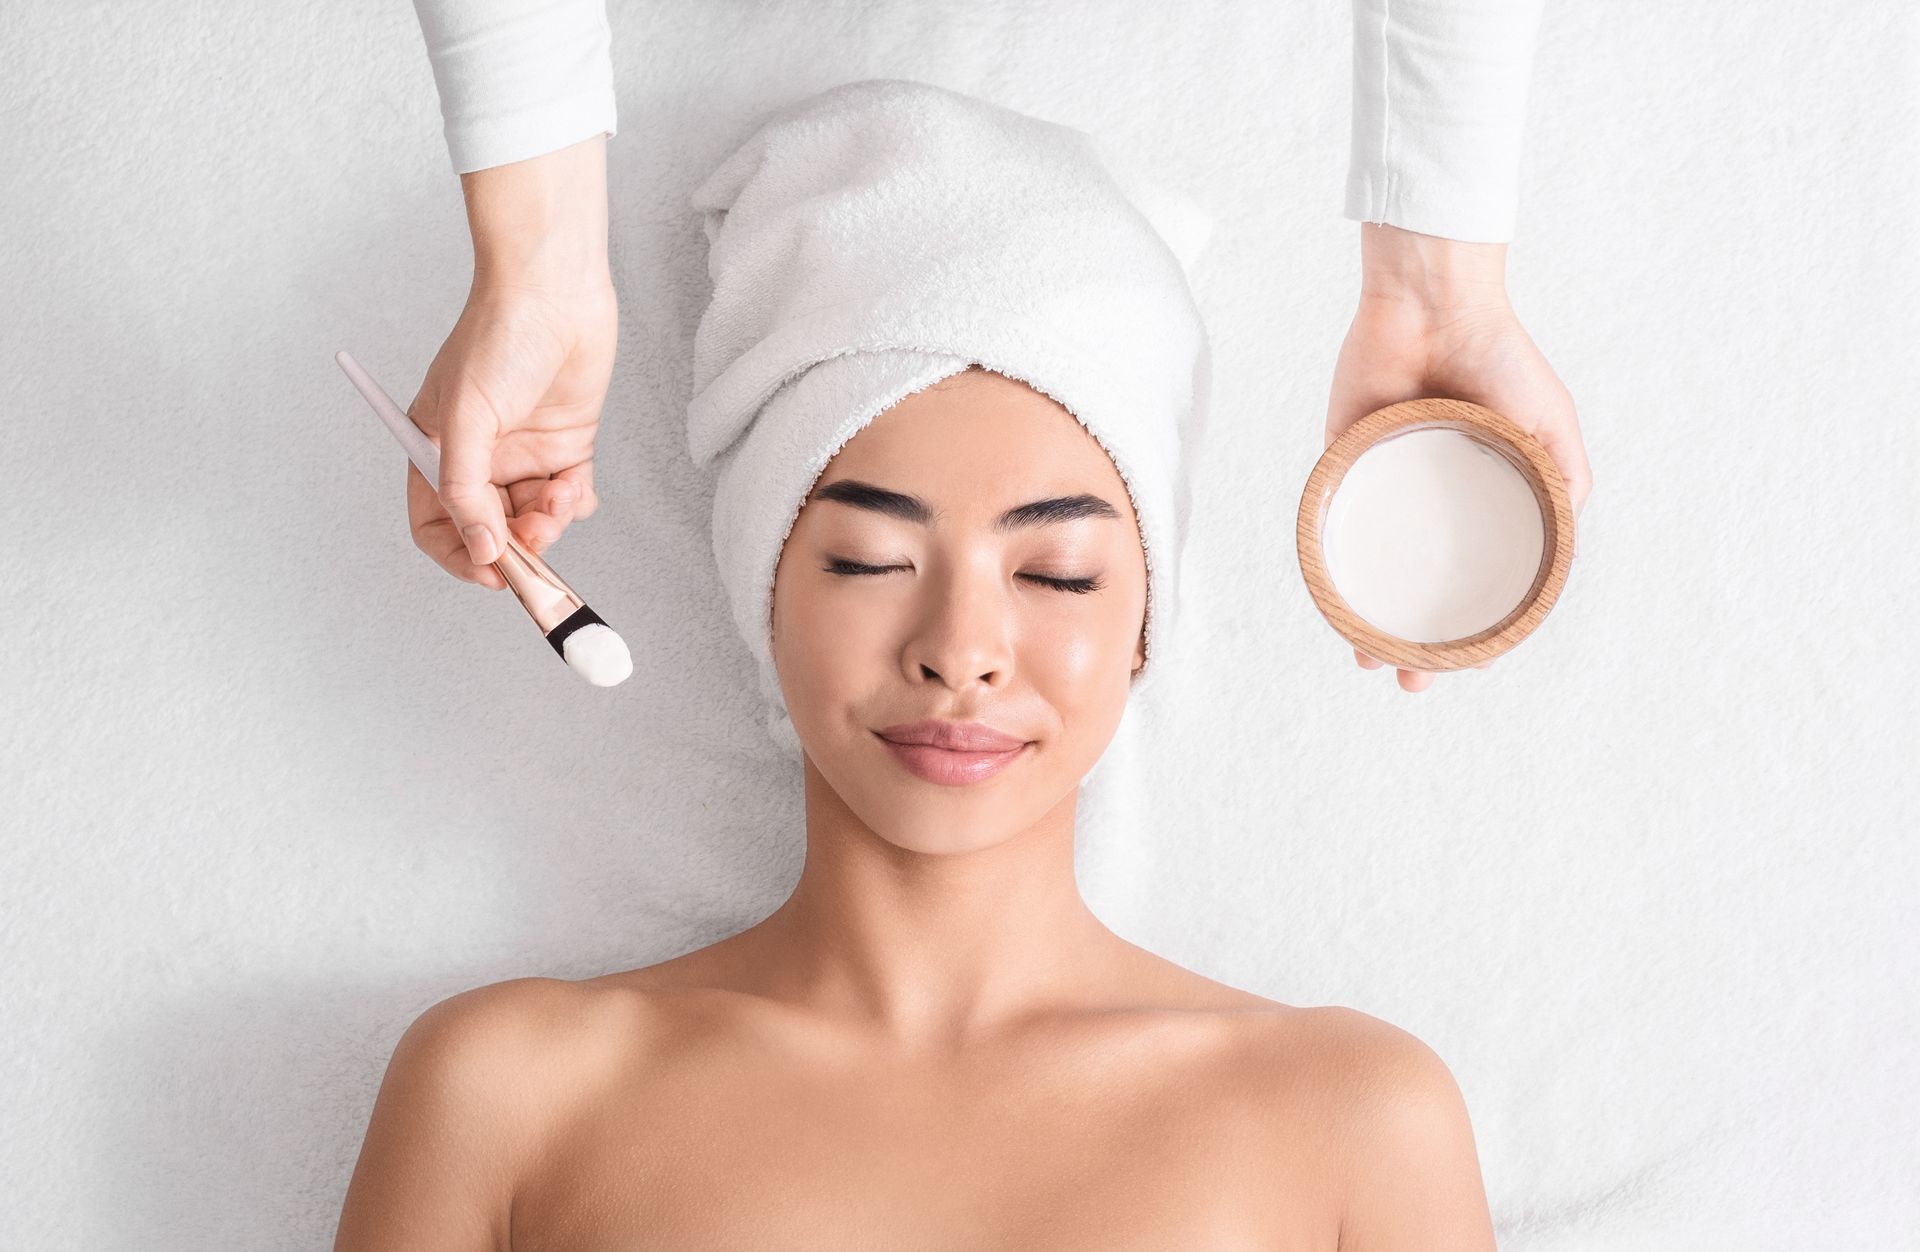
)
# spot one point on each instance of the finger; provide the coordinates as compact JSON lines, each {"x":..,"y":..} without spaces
{"x":1571,"y":458}
{"x":581,"y":476}
{"x":1484,"y":665}
{"x":1415,"y":680}
{"x":537,"y":494}
{"x":442,"y":542}
{"x":547,"y":498}
{"x":537,"y":528}
{"x":433,"y":534}
{"x":1365,"y":661}
{"x":1560,"y":435}
{"x":468,"y":432}
{"x":563,"y":500}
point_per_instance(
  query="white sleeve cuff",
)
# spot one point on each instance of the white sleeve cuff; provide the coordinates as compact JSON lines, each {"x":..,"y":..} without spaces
{"x":1439,"y":113}
{"x":518,"y":78}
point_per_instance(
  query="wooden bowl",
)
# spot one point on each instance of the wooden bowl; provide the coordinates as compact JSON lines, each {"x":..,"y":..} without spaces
{"x":1503,"y":436}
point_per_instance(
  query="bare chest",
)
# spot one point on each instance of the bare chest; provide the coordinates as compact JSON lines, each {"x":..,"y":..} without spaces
{"x":1102,"y":1152}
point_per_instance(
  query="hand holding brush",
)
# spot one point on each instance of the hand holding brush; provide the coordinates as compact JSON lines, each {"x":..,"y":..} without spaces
{"x":587,"y":644}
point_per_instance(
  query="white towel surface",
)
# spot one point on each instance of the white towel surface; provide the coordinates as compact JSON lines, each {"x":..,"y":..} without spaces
{"x":271,"y":784}
{"x":876,"y":237}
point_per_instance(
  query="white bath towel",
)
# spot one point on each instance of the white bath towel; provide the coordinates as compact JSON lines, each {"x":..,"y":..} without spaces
{"x":881,"y":235}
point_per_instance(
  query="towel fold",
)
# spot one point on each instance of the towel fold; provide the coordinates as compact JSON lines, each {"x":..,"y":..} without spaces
{"x":879,"y":236}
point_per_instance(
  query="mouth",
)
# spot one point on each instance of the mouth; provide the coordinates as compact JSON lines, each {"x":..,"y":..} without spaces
{"x":951,"y":767}
{"x":953,"y":736}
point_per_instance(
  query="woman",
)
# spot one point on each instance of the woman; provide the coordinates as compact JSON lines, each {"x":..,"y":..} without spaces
{"x":950,"y":376}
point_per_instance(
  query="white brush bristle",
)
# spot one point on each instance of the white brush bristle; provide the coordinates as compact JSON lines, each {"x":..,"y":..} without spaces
{"x":598,"y":655}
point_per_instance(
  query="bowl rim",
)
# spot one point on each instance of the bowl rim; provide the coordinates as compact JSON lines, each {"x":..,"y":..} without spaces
{"x":1495,"y":430}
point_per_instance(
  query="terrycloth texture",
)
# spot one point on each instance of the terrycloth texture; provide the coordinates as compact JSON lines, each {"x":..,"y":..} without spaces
{"x":1646,"y":885}
{"x":881,"y":235}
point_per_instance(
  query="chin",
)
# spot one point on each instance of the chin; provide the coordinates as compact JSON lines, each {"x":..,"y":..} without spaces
{"x":942,"y":830}
{"x":936,"y":839}
{"x":923,"y":817}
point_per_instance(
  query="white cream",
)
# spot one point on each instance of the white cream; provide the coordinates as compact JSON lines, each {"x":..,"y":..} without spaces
{"x":1433,"y":535}
{"x":598,"y":655}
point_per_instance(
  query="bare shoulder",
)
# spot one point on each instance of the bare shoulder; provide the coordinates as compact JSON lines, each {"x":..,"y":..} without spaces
{"x":1401,"y":1140}
{"x":517,"y":1042}
{"x":471,"y":1088}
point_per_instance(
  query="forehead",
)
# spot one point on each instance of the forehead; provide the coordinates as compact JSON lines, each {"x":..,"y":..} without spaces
{"x":979,"y":441}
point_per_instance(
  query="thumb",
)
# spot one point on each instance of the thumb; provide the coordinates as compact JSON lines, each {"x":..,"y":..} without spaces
{"x":467,"y":436}
{"x":1562,"y":440}
{"x":1377,"y":366}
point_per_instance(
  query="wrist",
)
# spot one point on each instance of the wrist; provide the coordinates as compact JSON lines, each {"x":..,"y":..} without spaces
{"x":1428,"y":271}
{"x":542,"y":221}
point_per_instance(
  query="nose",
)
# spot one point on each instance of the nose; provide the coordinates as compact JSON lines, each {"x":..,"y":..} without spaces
{"x":963,"y":632}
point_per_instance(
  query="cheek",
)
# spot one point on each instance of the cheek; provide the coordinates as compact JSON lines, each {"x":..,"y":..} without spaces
{"x":1064,"y":653}
{"x":1082,"y":655}
{"x":821,"y":651}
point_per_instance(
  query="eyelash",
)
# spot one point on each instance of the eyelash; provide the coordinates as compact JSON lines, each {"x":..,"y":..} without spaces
{"x":1077,"y":586}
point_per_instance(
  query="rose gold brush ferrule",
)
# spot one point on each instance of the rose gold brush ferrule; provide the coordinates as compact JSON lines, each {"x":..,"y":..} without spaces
{"x":555,"y":608}
{"x":544,"y":594}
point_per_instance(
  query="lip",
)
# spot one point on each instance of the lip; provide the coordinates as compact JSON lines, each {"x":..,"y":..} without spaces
{"x":953,"y":736}
{"x":952,"y":754}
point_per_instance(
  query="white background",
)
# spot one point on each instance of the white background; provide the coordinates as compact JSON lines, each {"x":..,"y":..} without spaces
{"x":272,"y":784}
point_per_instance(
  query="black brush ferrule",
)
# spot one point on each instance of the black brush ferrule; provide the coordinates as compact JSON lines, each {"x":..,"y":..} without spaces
{"x":582,"y":616}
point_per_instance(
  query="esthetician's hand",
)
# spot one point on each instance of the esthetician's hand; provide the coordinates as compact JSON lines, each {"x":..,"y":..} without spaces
{"x":514,"y":396}
{"x":1434,"y":321}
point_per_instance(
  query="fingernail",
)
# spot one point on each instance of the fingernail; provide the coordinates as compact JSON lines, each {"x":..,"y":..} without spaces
{"x":480,"y":544}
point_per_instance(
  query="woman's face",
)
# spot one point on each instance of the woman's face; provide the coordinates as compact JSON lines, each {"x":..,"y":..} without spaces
{"x":970,"y":556}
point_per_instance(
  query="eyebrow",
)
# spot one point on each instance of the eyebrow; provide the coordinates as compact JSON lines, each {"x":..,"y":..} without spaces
{"x":862,"y":495}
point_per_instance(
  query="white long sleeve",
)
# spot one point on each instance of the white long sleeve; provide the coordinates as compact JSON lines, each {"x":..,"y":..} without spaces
{"x":518,"y":78}
{"x":1439,"y":110}
{"x":1439,"y":98}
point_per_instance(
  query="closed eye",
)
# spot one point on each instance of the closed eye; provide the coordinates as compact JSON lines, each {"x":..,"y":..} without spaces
{"x":1078,"y":586}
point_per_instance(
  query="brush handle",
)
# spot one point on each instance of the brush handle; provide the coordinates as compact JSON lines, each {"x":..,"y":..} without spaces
{"x":419,"y":448}
{"x":542,"y":592}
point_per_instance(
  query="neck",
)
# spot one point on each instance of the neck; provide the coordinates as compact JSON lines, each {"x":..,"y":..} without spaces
{"x":930,"y":947}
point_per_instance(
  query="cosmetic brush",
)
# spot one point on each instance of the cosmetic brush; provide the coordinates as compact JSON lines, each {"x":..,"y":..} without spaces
{"x":587,"y":644}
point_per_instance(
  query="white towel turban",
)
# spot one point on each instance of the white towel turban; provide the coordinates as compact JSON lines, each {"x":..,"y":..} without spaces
{"x":875,"y":238}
